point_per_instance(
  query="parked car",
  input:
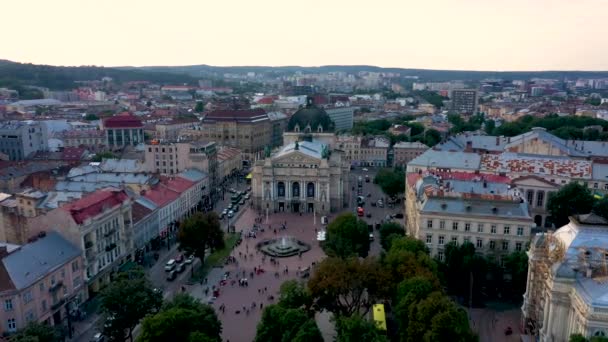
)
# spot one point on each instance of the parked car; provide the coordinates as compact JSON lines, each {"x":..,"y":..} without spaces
{"x":365,"y":169}
{"x":230,"y":206}
{"x":98,"y":338}
{"x":235,"y":209}
{"x":179,"y":258}
{"x":371,"y":236}
{"x":232,"y":190}
{"x":369,"y":215}
{"x":373,"y":204}
{"x":247,"y":196}
{"x":189,"y":259}
{"x":242,"y":202}
{"x":170,"y":265}
{"x":180,"y":268}
{"x":171,"y":276}
{"x":399,"y":215}
{"x":230,"y":214}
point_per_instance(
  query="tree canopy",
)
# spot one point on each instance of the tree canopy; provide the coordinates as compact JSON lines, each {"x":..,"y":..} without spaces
{"x":390,"y":231}
{"x":571,"y":199}
{"x":565,"y":127}
{"x":279,"y":324}
{"x":347,"y":236}
{"x":37,"y":332}
{"x":391,"y":181}
{"x":182,"y":319}
{"x":200,"y":232}
{"x":356,"y":328}
{"x":125,"y":301}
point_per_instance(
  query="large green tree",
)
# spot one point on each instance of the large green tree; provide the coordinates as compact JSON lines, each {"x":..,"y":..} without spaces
{"x":295,"y":295}
{"x":125,"y":301}
{"x":347,"y":236}
{"x":392,"y":182}
{"x":200,"y":232}
{"x":357,"y":328}
{"x":571,"y":199}
{"x":37,"y":332}
{"x":581,"y":338}
{"x":182,"y":319}
{"x":463,"y":269}
{"x":348,"y":286}
{"x":390,"y":231}
{"x":281,"y":324}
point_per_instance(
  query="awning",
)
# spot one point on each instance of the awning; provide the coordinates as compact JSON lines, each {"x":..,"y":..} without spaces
{"x":248,"y":176}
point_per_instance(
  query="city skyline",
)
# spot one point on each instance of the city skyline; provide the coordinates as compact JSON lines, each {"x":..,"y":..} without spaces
{"x":455,"y":35}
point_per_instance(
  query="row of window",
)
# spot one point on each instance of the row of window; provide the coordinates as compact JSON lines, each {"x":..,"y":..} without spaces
{"x":441,"y":240}
{"x":506,"y":229}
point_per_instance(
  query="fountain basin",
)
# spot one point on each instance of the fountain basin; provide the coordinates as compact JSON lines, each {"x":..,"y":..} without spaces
{"x":282,"y":247}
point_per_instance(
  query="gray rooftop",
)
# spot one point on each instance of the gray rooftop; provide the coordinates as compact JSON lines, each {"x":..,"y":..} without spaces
{"x":449,"y":160}
{"x":407,"y":144}
{"x":121,"y":165}
{"x":477,"y":208}
{"x":193,"y":175}
{"x":35,"y":260}
{"x":310,"y":148}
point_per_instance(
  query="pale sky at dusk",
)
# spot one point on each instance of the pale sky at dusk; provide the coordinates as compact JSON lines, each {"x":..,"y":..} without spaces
{"x":430,"y":34}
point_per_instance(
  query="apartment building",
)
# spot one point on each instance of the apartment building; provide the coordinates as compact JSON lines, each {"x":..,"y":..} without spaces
{"x":100,"y":224}
{"x":405,"y":151}
{"x":464,"y":101}
{"x":374,"y":151}
{"x":229,"y":160}
{"x":20,"y":139}
{"x":40,"y":281}
{"x":170,"y":130}
{"x":248,"y":130}
{"x":487,"y":214}
{"x":76,"y":138}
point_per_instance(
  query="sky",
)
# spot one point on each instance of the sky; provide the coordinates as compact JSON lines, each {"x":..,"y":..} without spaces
{"x":502,"y":35}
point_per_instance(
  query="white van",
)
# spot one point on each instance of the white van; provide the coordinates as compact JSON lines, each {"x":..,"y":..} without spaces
{"x":170,"y":265}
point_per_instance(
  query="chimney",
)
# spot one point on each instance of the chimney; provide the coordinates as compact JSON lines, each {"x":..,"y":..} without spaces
{"x":497,"y":141}
{"x":469,"y":147}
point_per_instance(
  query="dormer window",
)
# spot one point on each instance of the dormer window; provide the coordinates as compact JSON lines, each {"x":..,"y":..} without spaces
{"x":296,"y":128}
{"x":320,"y":129}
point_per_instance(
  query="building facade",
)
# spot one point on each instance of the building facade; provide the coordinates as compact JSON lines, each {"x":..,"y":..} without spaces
{"x":405,"y":151}
{"x":229,"y":160}
{"x":123,"y":130}
{"x":566,"y":287}
{"x":342,"y":117}
{"x":35,"y":291}
{"x":19,"y":140}
{"x":464,"y":101}
{"x":170,"y":131}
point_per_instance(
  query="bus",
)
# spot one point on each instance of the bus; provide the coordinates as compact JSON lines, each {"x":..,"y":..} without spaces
{"x":360,"y":212}
{"x":236,"y":198}
{"x":379,"y":317}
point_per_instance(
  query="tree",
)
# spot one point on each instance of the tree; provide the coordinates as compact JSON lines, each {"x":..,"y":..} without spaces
{"x":392,"y":182}
{"x":464,"y":268}
{"x":356,"y":328}
{"x":200,"y":107}
{"x":601,"y":207}
{"x":125,"y":301}
{"x":388,"y":232}
{"x":347,"y":236}
{"x":37,"y":332}
{"x":200,"y":232}
{"x":103,"y":155}
{"x":348,"y":286}
{"x":182,"y":319}
{"x":489,"y":127}
{"x":516,"y":265}
{"x":280,"y":324}
{"x":581,"y":338}
{"x":571,"y":199}
{"x":294,"y":295}
{"x":91,"y":117}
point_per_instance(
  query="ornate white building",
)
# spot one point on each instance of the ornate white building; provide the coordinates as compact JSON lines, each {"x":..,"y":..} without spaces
{"x":305,"y":175}
{"x":567,"y":287}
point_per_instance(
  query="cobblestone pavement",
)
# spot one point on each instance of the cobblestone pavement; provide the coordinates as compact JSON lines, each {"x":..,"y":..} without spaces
{"x":490,"y":324}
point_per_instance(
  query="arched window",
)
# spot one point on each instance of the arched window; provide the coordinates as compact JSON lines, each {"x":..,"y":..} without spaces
{"x":310,"y":189}
{"x":295,"y":189}
{"x":600,"y":333}
{"x":281,"y":189}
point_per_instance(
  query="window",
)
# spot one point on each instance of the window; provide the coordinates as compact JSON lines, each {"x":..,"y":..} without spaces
{"x":440,"y":255}
{"x":506,"y":230}
{"x":467,"y":227}
{"x":75,"y":266}
{"x":77,"y":281}
{"x":530,"y":196}
{"x":41,"y":286}
{"x":480,"y":227}
{"x":442,"y":224}
{"x":455,"y":239}
{"x":29,"y":316}
{"x":11,"y":324}
{"x":479,"y":243}
{"x":44,"y":305}
{"x":467,"y":239}
{"x":540,"y":198}
{"x":505,"y":245}
{"x":441,"y":239}
{"x":518,"y":246}
{"x":493,"y":229}
{"x":595,"y":185}
{"x":520,"y":231}
{"x":454,"y":225}
{"x":429,"y":224}
{"x":27,"y":296}
{"x":429,"y":238}
{"x":492,"y":244}
{"x":8,"y":305}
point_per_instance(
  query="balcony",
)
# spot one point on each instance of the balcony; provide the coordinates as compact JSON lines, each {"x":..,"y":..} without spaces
{"x":90,"y":255}
{"x":110,"y":232}
{"x":110,"y":247}
{"x":58,"y":304}
{"x":56,"y":286}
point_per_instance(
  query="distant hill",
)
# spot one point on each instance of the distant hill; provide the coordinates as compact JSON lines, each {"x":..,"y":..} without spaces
{"x":17,"y":75}
{"x":423,"y":74}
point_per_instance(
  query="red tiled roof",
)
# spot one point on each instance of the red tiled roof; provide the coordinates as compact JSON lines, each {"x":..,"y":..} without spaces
{"x":138,"y":212}
{"x":72,"y":153}
{"x":123,"y":121}
{"x":266,"y":100}
{"x":75,"y":133}
{"x":95,"y":203}
{"x":468,"y":176}
{"x":177,"y":184}
{"x":161,"y":195}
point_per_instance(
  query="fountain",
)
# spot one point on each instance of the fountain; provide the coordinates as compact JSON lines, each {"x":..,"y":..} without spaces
{"x":283,"y":247}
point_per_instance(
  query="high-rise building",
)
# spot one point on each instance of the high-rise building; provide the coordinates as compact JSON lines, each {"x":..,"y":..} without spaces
{"x":342,"y":117}
{"x":464,"y":101}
